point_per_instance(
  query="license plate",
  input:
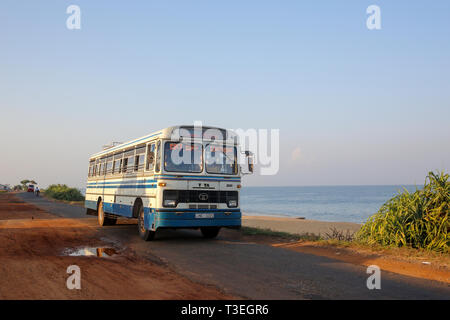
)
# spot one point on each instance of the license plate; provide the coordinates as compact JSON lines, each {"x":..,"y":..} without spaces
{"x":204,"y":215}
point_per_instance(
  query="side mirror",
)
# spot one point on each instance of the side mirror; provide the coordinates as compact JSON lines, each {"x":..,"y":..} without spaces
{"x":249,"y":157}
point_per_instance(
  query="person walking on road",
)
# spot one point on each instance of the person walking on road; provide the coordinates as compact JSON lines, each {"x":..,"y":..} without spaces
{"x":36,"y":190}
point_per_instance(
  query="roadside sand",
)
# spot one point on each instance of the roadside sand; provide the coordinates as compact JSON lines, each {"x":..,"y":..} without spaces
{"x":438,"y":270}
{"x":298,"y":226}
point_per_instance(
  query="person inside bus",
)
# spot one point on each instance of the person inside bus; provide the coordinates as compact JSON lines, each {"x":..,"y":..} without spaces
{"x":150,"y":157}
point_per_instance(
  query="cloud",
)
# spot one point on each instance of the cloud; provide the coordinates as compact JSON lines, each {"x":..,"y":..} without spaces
{"x":296,"y":154}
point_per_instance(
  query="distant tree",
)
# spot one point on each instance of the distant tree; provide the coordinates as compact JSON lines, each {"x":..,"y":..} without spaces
{"x":25,"y":183}
{"x":18,"y":187}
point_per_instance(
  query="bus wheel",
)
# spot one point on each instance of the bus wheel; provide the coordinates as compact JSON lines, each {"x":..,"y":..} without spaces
{"x":101,"y":214}
{"x":102,"y":220}
{"x":210,"y":232}
{"x":145,"y":234}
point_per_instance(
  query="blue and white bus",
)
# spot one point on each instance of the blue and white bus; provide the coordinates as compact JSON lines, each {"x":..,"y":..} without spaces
{"x":178,"y":177}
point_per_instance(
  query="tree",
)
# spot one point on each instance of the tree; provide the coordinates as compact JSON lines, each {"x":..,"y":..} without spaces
{"x":25,"y":183}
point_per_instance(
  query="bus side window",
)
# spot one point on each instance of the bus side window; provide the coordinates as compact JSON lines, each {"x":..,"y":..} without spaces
{"x":128,"y":161}
{"x":130,"y":164}
{"x":103,"y":167}
{"x":118,"y":166}
{"x":117,"y":163}
{"x":109,"y":167}
{"x":158,"y":157}
{"x":139,"y":159}
{"x":150,"y":157}
{"x":96,"y":167}
{"x":139,"y":162}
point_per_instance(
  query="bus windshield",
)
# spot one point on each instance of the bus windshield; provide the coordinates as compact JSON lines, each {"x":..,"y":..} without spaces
{"x":183,"y":157}
{"x":221,"y":159}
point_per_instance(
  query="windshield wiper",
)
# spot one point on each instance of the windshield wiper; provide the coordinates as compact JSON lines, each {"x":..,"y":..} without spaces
{"x":232,"y":160}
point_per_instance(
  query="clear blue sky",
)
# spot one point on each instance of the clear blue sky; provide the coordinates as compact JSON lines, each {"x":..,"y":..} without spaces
{"x":353,"y":106}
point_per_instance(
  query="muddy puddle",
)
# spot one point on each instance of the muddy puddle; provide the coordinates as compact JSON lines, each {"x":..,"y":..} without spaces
{"x":90,"y":252}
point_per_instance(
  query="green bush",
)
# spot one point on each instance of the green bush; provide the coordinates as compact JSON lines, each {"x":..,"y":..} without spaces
{"x":63,"y":192}
{"x":419,"y":219}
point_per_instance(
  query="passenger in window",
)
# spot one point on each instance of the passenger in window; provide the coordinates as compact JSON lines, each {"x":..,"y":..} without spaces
{"x":150,"y":157}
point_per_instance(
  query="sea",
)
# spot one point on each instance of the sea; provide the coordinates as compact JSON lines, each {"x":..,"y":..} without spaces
{"x":325,"y":203}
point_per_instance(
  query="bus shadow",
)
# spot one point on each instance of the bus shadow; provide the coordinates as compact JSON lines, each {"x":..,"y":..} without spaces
{"x":129,"y":232}
{"x":179,"y":234}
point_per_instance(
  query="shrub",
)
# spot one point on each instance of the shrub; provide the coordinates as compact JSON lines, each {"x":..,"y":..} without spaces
{"x":419,"y":219}
{"x":63,"y":192}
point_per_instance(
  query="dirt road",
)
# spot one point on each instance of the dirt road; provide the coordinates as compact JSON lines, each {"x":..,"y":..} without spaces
{"x":231,"y":265}
{"x":34,"y":248}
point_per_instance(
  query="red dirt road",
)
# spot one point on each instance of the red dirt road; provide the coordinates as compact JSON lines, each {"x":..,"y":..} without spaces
{"x":32,"y":243}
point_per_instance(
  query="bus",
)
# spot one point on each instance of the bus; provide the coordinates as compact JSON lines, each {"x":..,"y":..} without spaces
{"x":177,"y":177}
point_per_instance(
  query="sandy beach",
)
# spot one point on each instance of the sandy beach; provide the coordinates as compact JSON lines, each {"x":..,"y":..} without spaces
{"x":297,"y":226}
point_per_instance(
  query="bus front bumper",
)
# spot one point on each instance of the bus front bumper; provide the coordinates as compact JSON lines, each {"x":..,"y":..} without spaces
{"x":197,"y":218}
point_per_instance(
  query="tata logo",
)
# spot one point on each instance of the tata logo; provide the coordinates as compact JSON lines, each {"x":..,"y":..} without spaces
{"x":203,"y":196}
{"x":205,"y":185}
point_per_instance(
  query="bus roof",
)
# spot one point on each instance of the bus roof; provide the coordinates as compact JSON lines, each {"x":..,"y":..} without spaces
{"x":166,"y":133}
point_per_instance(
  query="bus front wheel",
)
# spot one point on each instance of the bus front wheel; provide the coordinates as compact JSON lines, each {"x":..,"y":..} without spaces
{"x":145,"y":234}
{"x":102,"y":219}
{"x":210,"y":232}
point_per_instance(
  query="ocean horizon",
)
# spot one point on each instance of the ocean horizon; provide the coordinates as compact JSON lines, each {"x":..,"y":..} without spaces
{"x":324,"y":203}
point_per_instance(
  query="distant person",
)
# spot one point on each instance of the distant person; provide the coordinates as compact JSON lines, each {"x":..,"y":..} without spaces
{"x":36,"y":190}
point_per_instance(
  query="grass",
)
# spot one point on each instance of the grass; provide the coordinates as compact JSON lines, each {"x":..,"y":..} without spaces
{"x":279,"y":234}
{"x":63,"y":192}
{"x":417,"y":220}
{"x":75,"y":203}
{"x":339,"y":235}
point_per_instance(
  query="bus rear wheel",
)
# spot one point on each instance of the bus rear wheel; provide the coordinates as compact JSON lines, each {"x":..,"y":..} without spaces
{"x":145,"y":234}
{"x":102,"y":219}
{"x":210,"y":232}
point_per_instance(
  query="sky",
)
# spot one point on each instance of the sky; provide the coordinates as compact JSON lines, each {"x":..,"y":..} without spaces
{"x":353,"y":106}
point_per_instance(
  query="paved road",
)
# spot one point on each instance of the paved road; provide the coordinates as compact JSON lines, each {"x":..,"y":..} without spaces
{"x":258,"y":271}
{"x":57,"y":208}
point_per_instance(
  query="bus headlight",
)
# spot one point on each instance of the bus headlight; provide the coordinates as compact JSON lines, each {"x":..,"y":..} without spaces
{"x":170,"y":203}
{"x":232,"y":203}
